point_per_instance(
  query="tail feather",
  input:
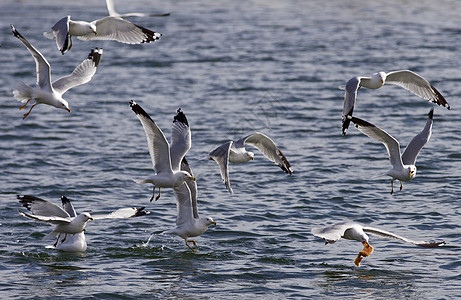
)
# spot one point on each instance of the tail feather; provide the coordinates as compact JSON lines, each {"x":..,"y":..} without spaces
{"x":49,"y":35}
{"x":22,"y":92}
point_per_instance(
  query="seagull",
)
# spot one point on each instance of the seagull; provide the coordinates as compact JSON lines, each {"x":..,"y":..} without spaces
{"x":113,"y":13}
{"x":188,"y":222}
{"x":357,"y":232}
{"x":236,"y":153}
{"x":403,"y":166}
{"x":51,"y":93}
{"x":166,"y":157}
{"x":108,"y":28}
{"x":404,"y":78}
{"x":68,"y":222}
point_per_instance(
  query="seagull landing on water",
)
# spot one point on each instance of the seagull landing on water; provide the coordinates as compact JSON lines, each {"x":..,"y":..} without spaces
{"x":404,"y":78}
{"x":67,"y":221}
{"x":403,"y":166}
{"x":188,"y":222}
{"x":166,"y":158}
{"x":51,"y":93}
{"x":108,"y":28}
{"x":357,"y":232}
{"x":236,"y":153}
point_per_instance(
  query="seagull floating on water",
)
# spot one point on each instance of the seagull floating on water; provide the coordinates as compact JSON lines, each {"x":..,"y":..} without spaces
{"x":69,"y":224}
{"x":188,"y":222}
{"x":108,"y":28}
{"x":236,"y":153}
{"x":404,"y":78}
{"x":403,"y":166}
{"x":357,"y":232}
{"x":51,"y":93}
{"x":166,"y":158}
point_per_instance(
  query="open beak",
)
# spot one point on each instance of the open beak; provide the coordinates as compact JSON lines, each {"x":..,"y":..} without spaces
{"x":68,"y":109}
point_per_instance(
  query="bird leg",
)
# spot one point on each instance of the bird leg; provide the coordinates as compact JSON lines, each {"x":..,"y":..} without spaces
{"x":401,"y":185}
{"x":27,"y":114}
{"x":64,"y":239}
{"x":24,"y":106}
{"x":193,"y":242}
{"x":70,"y":38}
{"x":158,"y":196}
{"x":367,"y":250}
{"x":153,"y":195}
{"x":392,"y":186}
{"x":55,"y":244}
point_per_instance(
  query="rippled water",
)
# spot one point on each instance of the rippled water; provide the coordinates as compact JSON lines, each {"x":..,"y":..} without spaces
{"x":234,"y":68}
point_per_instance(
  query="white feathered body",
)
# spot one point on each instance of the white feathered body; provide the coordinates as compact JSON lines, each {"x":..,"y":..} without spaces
{"x":72,"y":242}
{"x":23,"y":92}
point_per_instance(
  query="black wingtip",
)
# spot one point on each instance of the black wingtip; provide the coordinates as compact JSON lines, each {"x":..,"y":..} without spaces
{"x":64,"y":200}
{"x":360,"y":122}
{"x":149,"y":35}
{"x":95,"y":56}
{"x":26,"y":200}
{"x":180,"y":117}
{"x":431,"y":114}
{"x":141,"y":212}
{"x":15,"y":32}
{"x":440,"y":100}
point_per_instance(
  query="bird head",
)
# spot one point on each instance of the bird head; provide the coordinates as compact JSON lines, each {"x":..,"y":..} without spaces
{"x":251,"y":155}
{"x":412,"y":171}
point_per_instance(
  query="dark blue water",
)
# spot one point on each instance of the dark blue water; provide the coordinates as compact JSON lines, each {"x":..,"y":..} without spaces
{"x":234,"y":68}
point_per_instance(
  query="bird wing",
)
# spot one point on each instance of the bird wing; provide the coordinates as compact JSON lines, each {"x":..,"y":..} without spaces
{"x":350,"y":96}
{"x":183,"y":204}
{"x":114,"y":13}
{"x":332,"y":233}
{"x":221,"y":156}
{"x":123,"y":213}
{"x":392,"y":145}
{"x":60,"y":31}
{"x":416,"y":84}
{"x":42,"y":66}
{"x":41,"y":207}
{"x":269,"y":149}
{"x":48,"y":219}
{"x":180,"y":139}
{"x":121,"y":30}
{"x":388,"y":234}
{"x":68,"y":207}
{"x":82,"y":73}
{"x":192,"y":184}
{"x":417,"y":143}
{"x":159,"y":148}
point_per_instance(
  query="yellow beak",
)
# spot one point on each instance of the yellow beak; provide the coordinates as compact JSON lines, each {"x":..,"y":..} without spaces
{"x":192,"y":178}
{"x":68,"y":109}
{"x":214,"y":223}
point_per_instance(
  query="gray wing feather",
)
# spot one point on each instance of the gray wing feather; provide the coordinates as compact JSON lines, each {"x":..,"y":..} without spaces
{"x":60,"y":31}
{"x":183,"y":204}
{"x":269,"y":149}
{"x":332,"y":233}
{"x":48,"y":219}
{"x":68,"y":207}
{"x":123,"y":213}
{"x":388,"y":234}
{"x":392,"y":145}
{"x":192,"y":184}
{"x":42,"y":66}
{"x":82,"y":73}
{"x":221,"y":156}
{"x":180,"y":140}
{"x":418,"y":142}
{"x":350,"y":96}
{"x":41,"y":207}
{"x":416,"y":84}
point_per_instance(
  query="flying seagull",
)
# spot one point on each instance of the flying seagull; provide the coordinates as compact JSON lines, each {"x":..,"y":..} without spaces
{"x":357,"y":232}
{"x":404,"y":78}
{"x":108,"y":28}
{"x":166,"y":158}
{"x":51,"y":93}
{"x":403,"y":166}
{"x":236,"y":153}
{"x":67,"y":221}
{"x":188,"y":222}
{"x":113,"y":13}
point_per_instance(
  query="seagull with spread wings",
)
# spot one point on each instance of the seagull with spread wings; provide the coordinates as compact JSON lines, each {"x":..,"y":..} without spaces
{"x":112,"y":28}
{"x":236,"y":153}
{"x":403,"y":166}
{"x":48,"y":92}
{"x":357,"y":232}
{"x":404,"y":78}
{"x":67,"y":221}
{"x":188,"y":222}
{"x":113,"y":13}
{"x":166,"y":157}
